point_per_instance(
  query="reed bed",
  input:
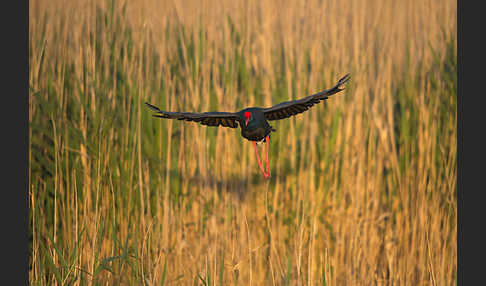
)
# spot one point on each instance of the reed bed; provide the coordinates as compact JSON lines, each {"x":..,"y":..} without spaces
{"x":363,"y":186}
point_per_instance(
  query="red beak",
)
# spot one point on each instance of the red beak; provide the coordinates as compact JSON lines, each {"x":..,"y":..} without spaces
{"x":247,"y":117}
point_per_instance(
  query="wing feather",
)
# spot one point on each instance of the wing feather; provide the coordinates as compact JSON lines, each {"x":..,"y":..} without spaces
{"x":294,"y":107}
{"x":226,"y":119}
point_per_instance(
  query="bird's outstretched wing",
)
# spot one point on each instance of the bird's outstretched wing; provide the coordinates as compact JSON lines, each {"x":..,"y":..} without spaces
{"x":226,"y":119}
{"x":294,"y":107}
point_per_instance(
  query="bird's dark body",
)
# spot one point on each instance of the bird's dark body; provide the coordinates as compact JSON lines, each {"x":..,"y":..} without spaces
{"x":257,"y":128}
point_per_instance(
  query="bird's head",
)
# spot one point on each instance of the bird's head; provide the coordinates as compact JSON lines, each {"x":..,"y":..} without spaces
{"x":247,"y":117}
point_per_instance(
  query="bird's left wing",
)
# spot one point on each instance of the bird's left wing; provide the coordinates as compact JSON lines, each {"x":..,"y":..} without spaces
{"x":294,"y":107}
{"x":226,"y":119}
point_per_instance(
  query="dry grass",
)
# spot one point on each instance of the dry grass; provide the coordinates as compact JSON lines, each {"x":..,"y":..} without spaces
{"x":363,"y":187}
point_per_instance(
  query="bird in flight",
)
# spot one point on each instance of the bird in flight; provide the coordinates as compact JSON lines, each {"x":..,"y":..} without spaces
{"x":253,"y":121}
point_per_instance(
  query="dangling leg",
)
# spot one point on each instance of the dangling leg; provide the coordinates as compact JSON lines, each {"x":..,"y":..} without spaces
{"x":268,"y":165}
{"x":258,"y":158}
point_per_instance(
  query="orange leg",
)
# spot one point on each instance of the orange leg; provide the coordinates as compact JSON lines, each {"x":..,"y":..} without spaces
{"x":268,"y":165}
{"x":258,"y":157}
{"x":265,"y":174}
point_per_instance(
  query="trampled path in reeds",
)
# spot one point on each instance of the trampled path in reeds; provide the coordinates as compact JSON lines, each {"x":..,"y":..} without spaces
{"x":363,"y":186}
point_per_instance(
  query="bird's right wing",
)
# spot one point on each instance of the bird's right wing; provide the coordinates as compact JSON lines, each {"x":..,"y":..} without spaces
{"x":226,"y":119}
{"x":294,"y":107}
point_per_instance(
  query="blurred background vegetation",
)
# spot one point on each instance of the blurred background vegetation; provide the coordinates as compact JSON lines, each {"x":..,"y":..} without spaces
{"x":363,"y":186}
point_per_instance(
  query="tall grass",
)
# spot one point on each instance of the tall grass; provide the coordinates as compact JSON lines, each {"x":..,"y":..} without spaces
{"x":363,"y":187}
